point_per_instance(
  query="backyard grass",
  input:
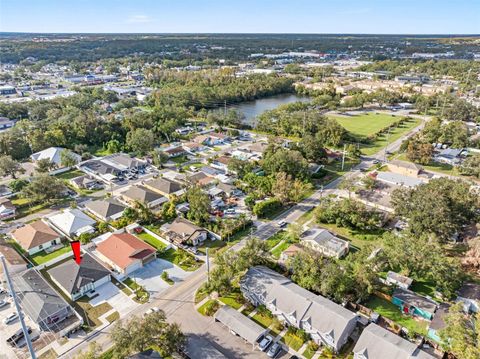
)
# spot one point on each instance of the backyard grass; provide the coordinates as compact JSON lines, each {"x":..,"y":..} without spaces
{"x":113,"y":317}
{"x":357,"y":238}
{"x":152,"y":241}
{"x":179,"y":159}
{"x":292,"y":340}
{"x":181,"y":258}
{"x":44,"y":257}
{"x":69,"y":174}
{"x":200,"y":295}
{"x":424,"y":287}
{"x":262,"y":319}
{"x":391,"y":311}
{"x":433,"y":166}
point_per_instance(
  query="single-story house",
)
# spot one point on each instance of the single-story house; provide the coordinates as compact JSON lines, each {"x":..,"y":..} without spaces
{"x":7,"y":208}
{"x":221,"y":163}
{"x":182,"y":231}
{"x":15,"y":262}
{"x":125,"y":253}
{"x":72,"y":222}
{"x":211,"y":139}
{"x":5,"y":191}
{"x":143,"y":195}
{"x":106,"y":209}
{"x":438,"y":322}
{"x":469,"y":294}
{"x":147,"y":354}
{"x":399,"y":280}
{"x":192,"y":147}
{"x":164,"y":186}
{"x":404,"y":168}
{"x":174,"y":151}
{"x":78,"y":279}
{"x":326,"y":322}
{"x":36,"y":236}
{"x":397,"y":179}
{"x":450,"y":156}
{"x":229,"y":190}
{"x":85,"y":182}
{"x":202,"y":179}
{"x":40,"y":302}
{"x":54,"y":154}
{"x":240,"y":324}
{"x":414,"y":304}
{"x":376,"y":342}
{"x":291,"y":251}
{"x":325,"y":243}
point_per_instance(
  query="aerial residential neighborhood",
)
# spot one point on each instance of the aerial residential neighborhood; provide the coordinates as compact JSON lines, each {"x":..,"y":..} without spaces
{"x":223,"y":180}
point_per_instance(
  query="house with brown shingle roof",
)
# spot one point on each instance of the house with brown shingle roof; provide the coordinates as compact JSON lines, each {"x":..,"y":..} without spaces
{"x":182,"y":231}
{"x":143,"y":195}
{"x":124,"y":252}
{"x":164,"y":187}
{"x":36,"y":236}
{"x":16,"y":263}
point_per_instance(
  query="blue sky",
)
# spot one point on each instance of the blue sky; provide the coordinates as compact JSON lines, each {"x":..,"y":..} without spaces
{"x":267,"y":16}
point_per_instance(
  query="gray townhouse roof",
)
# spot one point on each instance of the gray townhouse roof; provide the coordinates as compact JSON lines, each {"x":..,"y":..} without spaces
{"x":105,"y":208}
{"x":37,"y":298}
{"x":411,"y":298}
{"x":239,"y":323}
{"x":378,"y":343}
{"x":122,"y":161}
{"x":72,"y":276}
{"x":289,"y":298}
{"x":438,"y":321}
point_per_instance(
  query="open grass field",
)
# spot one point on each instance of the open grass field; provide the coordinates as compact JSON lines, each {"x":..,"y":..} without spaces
{"x":365,"y":124}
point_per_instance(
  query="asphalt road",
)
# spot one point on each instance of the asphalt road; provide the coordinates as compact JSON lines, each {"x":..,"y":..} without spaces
{"x":177,"y":301}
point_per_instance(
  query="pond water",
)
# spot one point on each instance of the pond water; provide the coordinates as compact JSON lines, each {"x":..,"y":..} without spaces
{"x":251,"y":109}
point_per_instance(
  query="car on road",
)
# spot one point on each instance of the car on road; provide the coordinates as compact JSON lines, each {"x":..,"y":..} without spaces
{"x":3,"y":303}
{"x":10,"y":318}
{"x":152,"y":310}
{"x":274,"y":350}
{"x":282,"y":224}
{"x":230,"y":211}
{"x":375,"y":162}
{"x":265,"y":342}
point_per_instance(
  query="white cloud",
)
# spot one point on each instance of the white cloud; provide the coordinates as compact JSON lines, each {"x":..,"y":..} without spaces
{"x":139,"y":19}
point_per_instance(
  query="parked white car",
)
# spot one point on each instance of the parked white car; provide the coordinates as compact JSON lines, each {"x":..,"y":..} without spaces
{"x":11,"y":318}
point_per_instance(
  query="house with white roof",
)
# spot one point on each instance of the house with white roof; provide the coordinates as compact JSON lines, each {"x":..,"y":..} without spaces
{"x":54,"y":155}
{"x":324,"y":242}
{"x":72,"y":222}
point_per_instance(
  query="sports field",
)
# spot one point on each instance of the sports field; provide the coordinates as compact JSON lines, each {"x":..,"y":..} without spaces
{"x":366,"y":124}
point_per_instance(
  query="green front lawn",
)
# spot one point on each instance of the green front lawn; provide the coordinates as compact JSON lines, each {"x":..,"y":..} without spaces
{"x":391,"y":311}
{"x":234,"y":300}
{"x":113,"y":317}
{"x":292,"y":340}
{"x":91,"y":314}
{"x":262,"y":319}
{"x":309,"y":353}
{"x":213,"y":246}
{"x":275,"y":239}
{"x":209,"y":307}
{"x":43,"y":257}
{"x":158,"y":244}
{"x":181,"y":258}
{"x":277,"y":251}
{"x":141,"y":295}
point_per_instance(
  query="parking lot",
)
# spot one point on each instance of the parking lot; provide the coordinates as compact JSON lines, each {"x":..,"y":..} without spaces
{"x":149,"y":275}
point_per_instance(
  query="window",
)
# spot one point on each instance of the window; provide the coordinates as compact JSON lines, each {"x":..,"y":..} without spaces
{"x":40,"y":247}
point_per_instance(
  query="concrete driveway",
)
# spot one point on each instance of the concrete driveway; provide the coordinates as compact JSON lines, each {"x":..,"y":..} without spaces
{"x":149,"y":275}
{"x":108,"y":292}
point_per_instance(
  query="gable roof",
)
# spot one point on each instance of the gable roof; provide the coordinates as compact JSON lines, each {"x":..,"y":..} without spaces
{"x":407,"y":165}
{"x":142,"y":194}
{"x":239,"y":323}
{"x":164,"y":185}
{"x":182,"y":229}
{"x":324,"y":238}
{"x":12,"y":257}
{"x":289,"y":298}
{"x":124,"y":248}
{"x":53,"y":154}
{"x":378,"y":343}
{"x":105,"y":207}
{"x":34,"y":234}
{"x":411,"y":298}
{"x":72,"y":276}
{"x":71,"y":220}
{"x":37,"y":298}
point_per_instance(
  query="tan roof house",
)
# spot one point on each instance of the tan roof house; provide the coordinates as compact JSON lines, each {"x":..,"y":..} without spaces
{"x":164,"y":187}
{"x":182,"y":231}
{"x":404,"y":168}
{"x":36,"y":236}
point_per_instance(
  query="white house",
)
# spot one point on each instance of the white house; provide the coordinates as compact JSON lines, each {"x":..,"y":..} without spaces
{"x":73,"y":222}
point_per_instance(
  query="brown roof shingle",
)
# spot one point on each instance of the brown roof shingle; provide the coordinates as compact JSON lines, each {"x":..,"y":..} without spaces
{"x":34,"y":234}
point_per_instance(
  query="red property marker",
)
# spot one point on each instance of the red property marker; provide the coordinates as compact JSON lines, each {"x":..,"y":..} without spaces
{"x":76,"y":251}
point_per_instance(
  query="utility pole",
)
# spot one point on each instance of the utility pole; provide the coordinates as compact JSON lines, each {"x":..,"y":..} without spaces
{"x":208,"y":265}
{"x":17,"y":307}
{"x":343,"y":156}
